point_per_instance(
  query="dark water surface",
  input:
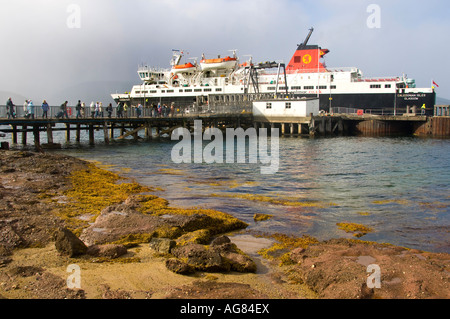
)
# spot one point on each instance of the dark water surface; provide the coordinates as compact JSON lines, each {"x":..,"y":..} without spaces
{"x":400,"y":187}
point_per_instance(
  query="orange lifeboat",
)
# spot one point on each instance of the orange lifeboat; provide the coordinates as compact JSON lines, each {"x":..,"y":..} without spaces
{"x":220,"y":63}
{"x":183,"y":68}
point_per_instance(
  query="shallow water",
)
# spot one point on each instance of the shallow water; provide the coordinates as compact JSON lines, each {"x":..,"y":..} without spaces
{"x":400,"y":187}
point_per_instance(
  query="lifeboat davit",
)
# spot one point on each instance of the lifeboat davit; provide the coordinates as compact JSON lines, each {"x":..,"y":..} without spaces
{"x":216,"y":64}
{"x":183,"y":68}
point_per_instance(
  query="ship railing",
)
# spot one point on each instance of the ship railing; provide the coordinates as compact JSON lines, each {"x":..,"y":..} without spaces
{"x":356,"y":111}
{"x":383,"y":79}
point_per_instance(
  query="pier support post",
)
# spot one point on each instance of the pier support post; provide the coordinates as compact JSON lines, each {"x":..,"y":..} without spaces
{"x":291,"y":128}
{"x":24,"y":135}
{"x":49,"y":134}
{"x":78,"y":133}
{"x":37,"y":136}
{"x":67,"y":132}
{"x":91,"y":135}
{"x":105,"y":132}
{"x":111,"y":131}
{"x":14,"y":134}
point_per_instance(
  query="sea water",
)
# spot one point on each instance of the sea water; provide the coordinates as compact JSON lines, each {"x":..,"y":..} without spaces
{"x":399,"y":187}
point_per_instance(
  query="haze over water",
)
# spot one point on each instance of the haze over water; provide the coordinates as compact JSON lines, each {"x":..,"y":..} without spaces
{"x":399,"y":187}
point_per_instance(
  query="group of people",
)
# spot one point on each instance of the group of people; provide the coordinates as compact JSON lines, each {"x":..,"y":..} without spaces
{"x":155,"y":110}
{"x":96,"y":110}
{"x":28,"y":109}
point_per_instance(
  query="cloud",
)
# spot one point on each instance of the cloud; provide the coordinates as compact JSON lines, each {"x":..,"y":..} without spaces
{"x":43,"y":58}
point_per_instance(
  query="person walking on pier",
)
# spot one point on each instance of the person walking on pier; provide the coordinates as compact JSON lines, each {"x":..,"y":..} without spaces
{"x":97,"y":109}
{"x":424,"y":109}
{"x":10,"y":109}
{"x":119,"y":112}
{"x":172,"y":109}
{"x":25,"y":109}
{"x":78,"y":109}
{"x":109,"y":109}
{"x":45,"y":108}
{"x":64,"y":110}
{"x":92,"y":108}
{"x":30,"y":110}
{"x":139,"y":110}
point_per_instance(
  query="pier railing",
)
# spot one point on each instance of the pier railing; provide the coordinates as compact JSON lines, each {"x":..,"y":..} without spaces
{"x":131,"y":112}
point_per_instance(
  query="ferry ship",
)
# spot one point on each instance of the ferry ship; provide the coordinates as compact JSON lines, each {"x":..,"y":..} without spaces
{"x":305,"y":76}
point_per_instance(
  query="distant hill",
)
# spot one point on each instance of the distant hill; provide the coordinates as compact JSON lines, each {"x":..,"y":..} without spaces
{"x":86,"y":92}
{"x":442,"y":101}
{"x":93,"y":91}
{"x":15,"y":97}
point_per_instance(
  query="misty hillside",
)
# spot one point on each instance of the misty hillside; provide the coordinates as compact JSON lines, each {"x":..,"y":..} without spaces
{"x":442,"y":101}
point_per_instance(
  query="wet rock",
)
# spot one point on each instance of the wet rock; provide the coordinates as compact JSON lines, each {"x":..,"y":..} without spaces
{"x":201,"y":258}
{"x":179,"y":267}
{"x":201,"y":236}
{"x":220,"y":241}
{"x":68,"y":244}
{"x":162,"y":245}
{"x":108,"y":251}
{"x":231,"y":255}
{"x":239,"y":262}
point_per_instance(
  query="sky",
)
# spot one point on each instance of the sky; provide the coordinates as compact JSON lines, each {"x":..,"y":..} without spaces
{"x":87,"y":49}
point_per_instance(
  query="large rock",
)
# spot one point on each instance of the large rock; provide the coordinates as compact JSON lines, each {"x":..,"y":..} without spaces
{"x":179,"y":267}
{"x":220,"y":256}
{"x":201,"y":258}
{"x":108,"y":251}
{"x":162,"y":245}
{"x":68,"y":244}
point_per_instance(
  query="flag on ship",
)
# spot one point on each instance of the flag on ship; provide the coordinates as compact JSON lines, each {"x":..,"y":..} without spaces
{"x":435,"y":84}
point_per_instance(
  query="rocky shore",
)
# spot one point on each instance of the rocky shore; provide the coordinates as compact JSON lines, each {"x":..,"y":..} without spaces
{"x":58,"y":213}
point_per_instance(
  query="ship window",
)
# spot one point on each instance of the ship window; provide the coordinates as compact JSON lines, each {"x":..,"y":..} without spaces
{"x":170,"y":91}
{"x":375,"y":86}
{"x":188,"y":90}
{"x":197,"y":90}
{"x":153,"y":91}
{"x":322,"y":87}
{"x":333,"y":87}
{"x":207,"y":90}
{"x":298,"y":59}
{"x":137,"y":92}
{"x":309,"y":87}
{"x":283,"y":88}
{"x":296,"y":88}
{"x":271,"y":88}
{"x":163,"y":91}
{"x":268,"y":105}
{"x":387,"y":86}
{"x":288,"y":105}
{"x":180,"y":90}
{"x":218,"y":90}
{"x":144,"y":92}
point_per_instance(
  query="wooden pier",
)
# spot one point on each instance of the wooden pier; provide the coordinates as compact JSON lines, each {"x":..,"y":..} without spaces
{"x":153,"y":127}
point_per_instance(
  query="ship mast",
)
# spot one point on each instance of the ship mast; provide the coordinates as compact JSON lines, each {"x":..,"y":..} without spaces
{"x":307,"y":38}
